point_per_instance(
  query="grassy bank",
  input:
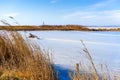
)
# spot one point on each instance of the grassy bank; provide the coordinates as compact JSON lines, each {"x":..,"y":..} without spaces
{"x":45,"y":27}
{"x":55,"y":27}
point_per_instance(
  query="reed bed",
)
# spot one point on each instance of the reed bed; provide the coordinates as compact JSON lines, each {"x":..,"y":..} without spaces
{"x":89,"y":71}
{"x":23,"y":60}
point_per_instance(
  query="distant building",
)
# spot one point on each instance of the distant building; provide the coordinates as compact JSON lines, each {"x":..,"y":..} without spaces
{"x":43,"y":23}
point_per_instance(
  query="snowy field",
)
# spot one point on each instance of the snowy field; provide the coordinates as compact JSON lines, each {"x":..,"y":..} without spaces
{"x":67,"y":49}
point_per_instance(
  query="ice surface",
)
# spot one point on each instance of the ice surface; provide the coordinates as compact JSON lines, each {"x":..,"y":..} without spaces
{"x":66,"y":46}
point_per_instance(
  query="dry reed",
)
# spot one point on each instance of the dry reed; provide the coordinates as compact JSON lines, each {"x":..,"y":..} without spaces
{"x":90,"y":72}
{"x":23,"y":60}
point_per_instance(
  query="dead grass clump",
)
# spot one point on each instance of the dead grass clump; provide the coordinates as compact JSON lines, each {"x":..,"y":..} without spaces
{"x":88,"y":71}
{"x":23,"y":60}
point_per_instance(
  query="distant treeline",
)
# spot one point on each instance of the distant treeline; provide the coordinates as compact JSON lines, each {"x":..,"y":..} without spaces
{"x":55,"y":27}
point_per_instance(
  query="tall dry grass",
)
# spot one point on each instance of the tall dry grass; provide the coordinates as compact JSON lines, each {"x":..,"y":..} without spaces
{"x":82,"y":74}
{"x":88,"y":71}
{"x":23,"y":60}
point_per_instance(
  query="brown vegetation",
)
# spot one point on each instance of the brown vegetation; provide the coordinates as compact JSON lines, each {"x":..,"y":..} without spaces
{"x":55,"y":27}
{"x":46,"y":27}
{"x":21,"y":60}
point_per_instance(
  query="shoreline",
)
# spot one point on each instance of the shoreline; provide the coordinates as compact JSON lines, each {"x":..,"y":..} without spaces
{"x":58,"y":28}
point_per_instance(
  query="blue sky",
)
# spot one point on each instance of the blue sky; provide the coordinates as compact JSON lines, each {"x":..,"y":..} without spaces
{"x":81,"y":12}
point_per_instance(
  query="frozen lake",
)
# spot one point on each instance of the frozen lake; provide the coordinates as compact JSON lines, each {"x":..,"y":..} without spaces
{"x":66,"y":46}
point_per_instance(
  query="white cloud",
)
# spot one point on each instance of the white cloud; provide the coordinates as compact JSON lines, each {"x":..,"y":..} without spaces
{"x":95,"y":17}
{"x":93,"y":14}
{"x":53,"y":1}
{"x":96,"y":6}
{"x":11,"y":14}
{"x":102,"y":4}
{"x":80,"y":15}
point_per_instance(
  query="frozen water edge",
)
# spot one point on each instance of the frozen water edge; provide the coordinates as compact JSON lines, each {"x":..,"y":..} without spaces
{"x":66,"y":46}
